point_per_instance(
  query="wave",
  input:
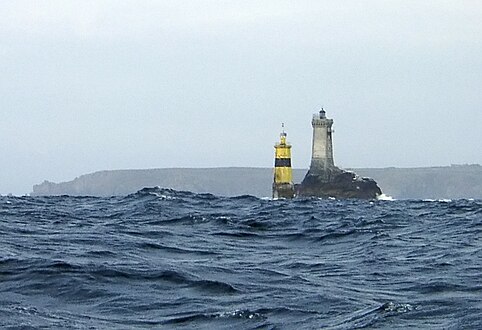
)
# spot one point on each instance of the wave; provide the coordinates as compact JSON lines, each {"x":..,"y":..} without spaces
{"x":164,"y":258}
{"x":196,"y":317}
{"x":370,"y":317}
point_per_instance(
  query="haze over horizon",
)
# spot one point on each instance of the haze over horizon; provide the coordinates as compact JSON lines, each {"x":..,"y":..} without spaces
{"x":101,"y":85}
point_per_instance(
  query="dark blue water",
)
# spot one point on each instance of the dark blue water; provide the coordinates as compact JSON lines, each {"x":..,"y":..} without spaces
{"x":166,"y":259}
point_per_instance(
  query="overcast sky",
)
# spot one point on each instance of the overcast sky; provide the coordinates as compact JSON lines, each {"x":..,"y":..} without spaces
{"x":94,"y":85}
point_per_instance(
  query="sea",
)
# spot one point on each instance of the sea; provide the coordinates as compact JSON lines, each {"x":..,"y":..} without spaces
{"x":165,"y":259}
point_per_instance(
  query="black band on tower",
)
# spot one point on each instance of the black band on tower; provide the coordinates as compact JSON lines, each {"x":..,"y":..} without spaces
{"x":282,"y":162}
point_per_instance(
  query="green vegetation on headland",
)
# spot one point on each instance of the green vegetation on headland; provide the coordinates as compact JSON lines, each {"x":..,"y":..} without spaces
{"x":456,"y":181}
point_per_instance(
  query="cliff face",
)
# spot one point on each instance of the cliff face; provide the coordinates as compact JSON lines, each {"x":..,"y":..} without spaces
{"x":460,"y":181}
{"x":334,"y":182}
{"x":447,"y":182}
{"x":218,"y":181}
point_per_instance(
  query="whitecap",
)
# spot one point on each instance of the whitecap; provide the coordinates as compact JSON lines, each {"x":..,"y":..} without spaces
{"x":384,"y":197}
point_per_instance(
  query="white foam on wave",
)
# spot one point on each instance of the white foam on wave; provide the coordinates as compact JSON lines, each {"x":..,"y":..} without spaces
{"x":247,"y":314}
{"x":398,"y":308}
{"x":165,"y":197}
{"x":384,"y":197}
{"x":443,"y":200}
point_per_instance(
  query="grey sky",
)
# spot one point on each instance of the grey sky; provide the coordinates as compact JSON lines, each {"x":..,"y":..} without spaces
{"x":93,"y":85}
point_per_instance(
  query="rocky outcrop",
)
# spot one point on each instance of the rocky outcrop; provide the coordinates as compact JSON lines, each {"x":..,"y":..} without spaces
{"x":337,"y":183}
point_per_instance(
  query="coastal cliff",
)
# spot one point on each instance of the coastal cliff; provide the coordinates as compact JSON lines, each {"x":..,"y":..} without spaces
{"x":456,"y":181}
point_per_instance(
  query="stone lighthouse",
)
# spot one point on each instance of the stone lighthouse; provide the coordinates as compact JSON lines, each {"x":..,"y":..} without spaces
{"x":326,"y":180}
{"x":322,"y":148}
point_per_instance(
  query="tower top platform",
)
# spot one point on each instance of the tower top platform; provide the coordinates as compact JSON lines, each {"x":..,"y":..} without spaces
{"x":319,"y":119}
{"x":321,"y":115}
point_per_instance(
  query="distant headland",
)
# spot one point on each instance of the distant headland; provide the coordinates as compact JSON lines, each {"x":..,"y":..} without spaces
{"x":445,"y":182}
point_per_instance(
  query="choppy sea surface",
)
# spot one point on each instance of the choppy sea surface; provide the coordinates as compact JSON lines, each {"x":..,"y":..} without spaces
{"x":166,"y":259}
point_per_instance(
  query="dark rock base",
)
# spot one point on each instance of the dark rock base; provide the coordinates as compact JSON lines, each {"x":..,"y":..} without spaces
{"x":334,"y":182}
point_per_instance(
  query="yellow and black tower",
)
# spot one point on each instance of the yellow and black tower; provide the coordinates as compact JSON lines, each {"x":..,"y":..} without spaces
{"x":283,"y":186}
